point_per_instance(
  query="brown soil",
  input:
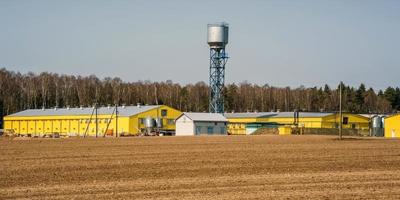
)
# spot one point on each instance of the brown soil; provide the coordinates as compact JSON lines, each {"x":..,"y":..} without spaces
{"x":226,"y":167}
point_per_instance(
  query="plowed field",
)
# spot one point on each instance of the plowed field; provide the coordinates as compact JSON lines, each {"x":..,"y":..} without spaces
{"x":230,"y":167}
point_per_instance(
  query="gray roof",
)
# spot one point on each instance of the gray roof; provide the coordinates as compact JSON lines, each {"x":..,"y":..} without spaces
{"x":303,"y":114}
{"x":249,"y":115}
{"x":275,"y":114}
{"x":124,"y":111}
{"x":205,"y":117}
{"x":373,"y":115}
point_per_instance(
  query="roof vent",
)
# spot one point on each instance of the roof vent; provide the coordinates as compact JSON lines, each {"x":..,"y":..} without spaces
{"x":55,"y":108}
{"x":43,"y":108}
{"x":109,"y":106}
{"x":138,"y":105}
{"x":278,"y":110}
{"x":123,"y":105}
{"x":81,"y":107}
{"x":68,"y":107}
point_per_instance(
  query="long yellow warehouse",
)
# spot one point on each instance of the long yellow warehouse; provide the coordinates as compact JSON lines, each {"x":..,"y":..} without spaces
{"x":392,"y":126}
{"x":243,"y":123}
{"x":82,"y":121}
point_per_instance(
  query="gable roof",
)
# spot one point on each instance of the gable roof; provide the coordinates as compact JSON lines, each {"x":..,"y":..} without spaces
{"x":205,"y":117}
{"x":275,"y":114}
{"x":249,"y":115}
{"x":393,"y":115}
{"x":124,"y":111}
{"x":303,"y":114}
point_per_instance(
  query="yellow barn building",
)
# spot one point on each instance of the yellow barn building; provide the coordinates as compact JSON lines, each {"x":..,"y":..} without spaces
{"x":392,"y":126}
{"x":246,"y":123}
{"x":82,"y":121}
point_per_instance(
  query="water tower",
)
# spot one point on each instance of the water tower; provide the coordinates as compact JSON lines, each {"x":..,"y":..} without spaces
{"x":217,"y":38}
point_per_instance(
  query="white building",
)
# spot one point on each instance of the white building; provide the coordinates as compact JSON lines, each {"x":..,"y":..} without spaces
{"x":200,"y":123}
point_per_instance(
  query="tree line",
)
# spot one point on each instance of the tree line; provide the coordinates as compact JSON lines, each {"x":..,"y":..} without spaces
{"x":23,"y":91}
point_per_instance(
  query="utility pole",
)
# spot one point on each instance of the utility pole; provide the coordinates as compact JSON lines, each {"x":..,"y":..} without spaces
{"x":340,"y":111}
{"x":116,"y":120}
{"x":97,"y":124}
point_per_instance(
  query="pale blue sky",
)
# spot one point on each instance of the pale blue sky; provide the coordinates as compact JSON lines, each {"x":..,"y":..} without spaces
{"x":282,"y":43}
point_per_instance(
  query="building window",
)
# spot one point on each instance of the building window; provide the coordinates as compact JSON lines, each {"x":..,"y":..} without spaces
{"x":141,"y":121}
{"x":170,"y":121}
{"x":210,"y":130}
{"x":345,"y":120}
{"x":222,"y":130}
{"x":163,"y":112}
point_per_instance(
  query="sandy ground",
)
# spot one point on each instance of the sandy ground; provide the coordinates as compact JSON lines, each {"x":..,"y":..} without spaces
{"x":230,"y":167}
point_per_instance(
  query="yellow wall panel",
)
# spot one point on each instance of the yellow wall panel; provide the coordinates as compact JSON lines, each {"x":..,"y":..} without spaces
{"x":32,"y":127}
{"x":24,"y":127}
{"x":392,"y":126}
{"x":7,"y":125}
{"x":15,"y":126}
{"x":39,"y":127}
{"x":354,"y":121}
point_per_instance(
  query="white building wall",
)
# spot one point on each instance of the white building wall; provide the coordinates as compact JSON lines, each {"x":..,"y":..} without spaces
{"x":184,"y":126}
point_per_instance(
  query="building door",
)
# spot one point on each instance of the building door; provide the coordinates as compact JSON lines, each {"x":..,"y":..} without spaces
{"x":210,"y":130}
{"x":198,"y":130}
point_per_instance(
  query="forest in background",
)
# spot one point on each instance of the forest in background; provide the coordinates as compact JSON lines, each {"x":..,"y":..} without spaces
{"x":23,"y":91}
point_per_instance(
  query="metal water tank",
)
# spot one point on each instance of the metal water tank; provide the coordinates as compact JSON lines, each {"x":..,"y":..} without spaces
{"x":377,"y":126}
{"x":377,"y":122}
{"x":159,"y":122}
{"x":149,"y":122}
{"x":217,"y":35}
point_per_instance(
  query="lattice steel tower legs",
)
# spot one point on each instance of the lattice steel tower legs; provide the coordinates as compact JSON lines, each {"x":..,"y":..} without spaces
{"x":218,"y":59}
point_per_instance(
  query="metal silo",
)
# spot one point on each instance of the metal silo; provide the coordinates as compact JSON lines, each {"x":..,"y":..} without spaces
{"x":377,"y":126}
{"x":149,"y":122}
{"x":217,"y":39}
{"x":159,"y":123}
